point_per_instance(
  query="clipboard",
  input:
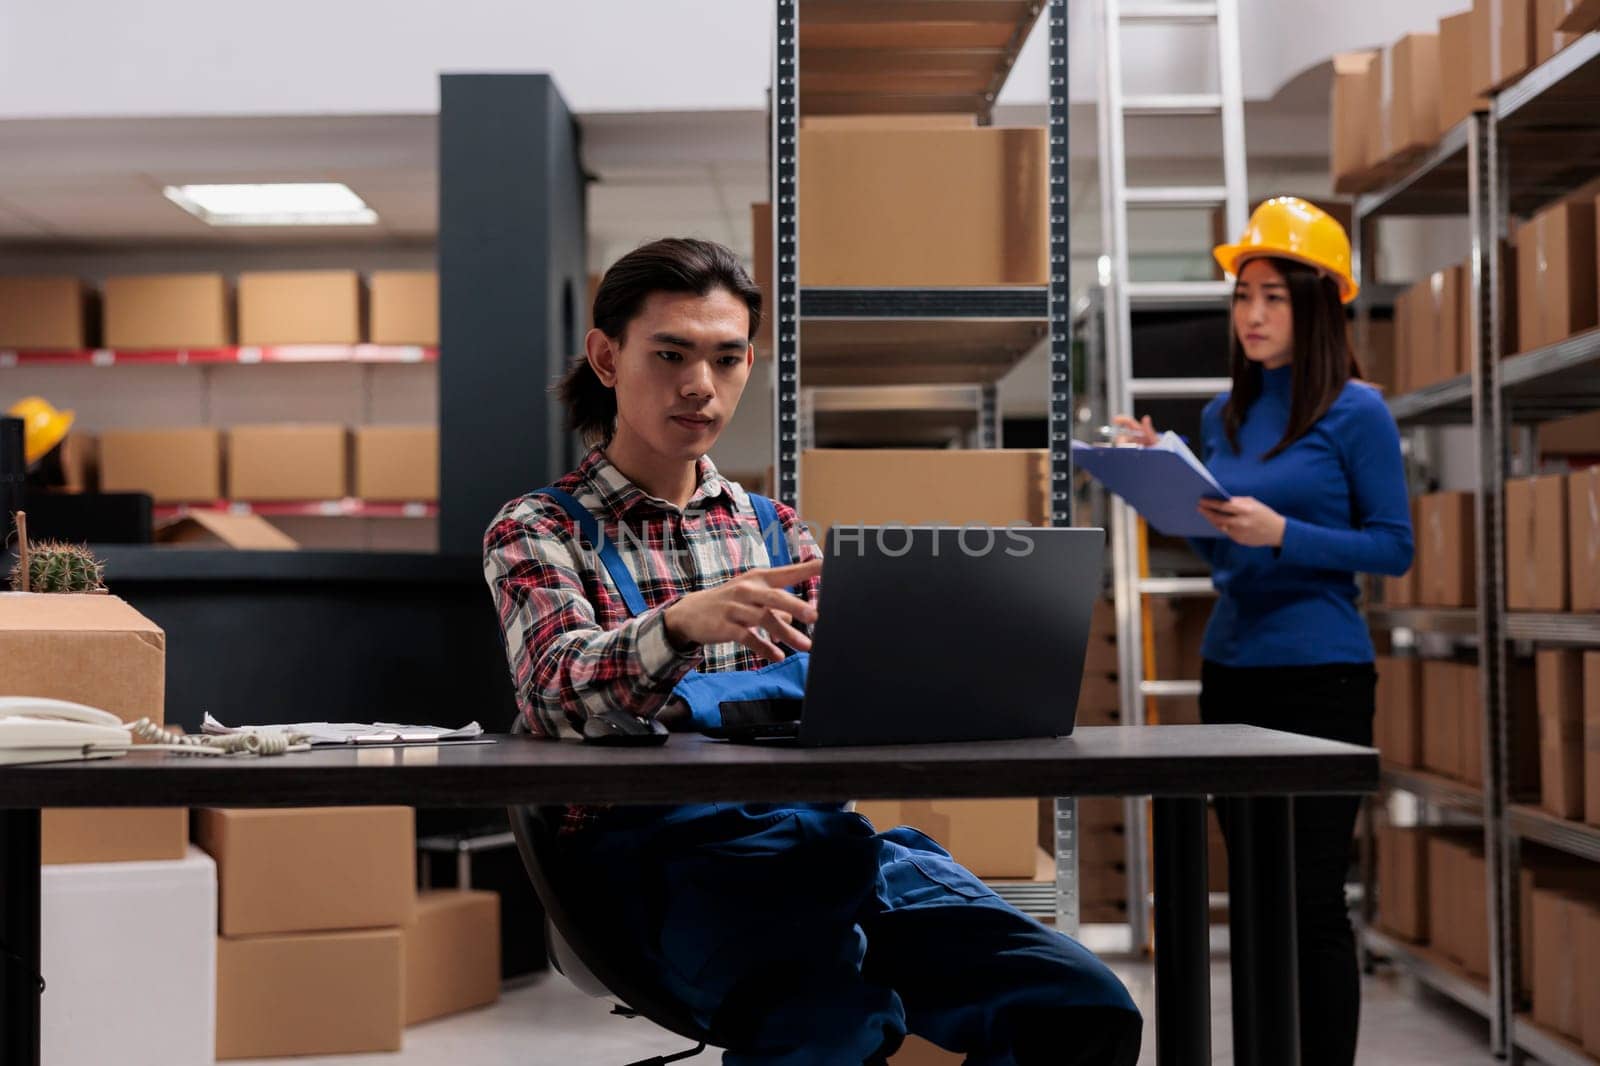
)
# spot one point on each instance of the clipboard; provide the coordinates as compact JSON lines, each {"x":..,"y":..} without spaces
{"x":1164,"y":482}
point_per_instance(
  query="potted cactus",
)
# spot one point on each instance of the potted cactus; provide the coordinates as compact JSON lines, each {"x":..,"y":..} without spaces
{"x":53,"y":566}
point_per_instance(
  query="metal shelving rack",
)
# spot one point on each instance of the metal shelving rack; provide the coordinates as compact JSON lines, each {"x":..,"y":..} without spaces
{"x":1539,"y":141}
{"x":926,"y":57}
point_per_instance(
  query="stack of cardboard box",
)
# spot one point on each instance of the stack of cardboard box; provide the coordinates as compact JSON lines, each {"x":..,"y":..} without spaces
{"x":1446,"y":550}
{"x":1397,"y":723}
{"x":1560,"y":959}
{"x":1457,"y":895}
{"x":1556,"y":273}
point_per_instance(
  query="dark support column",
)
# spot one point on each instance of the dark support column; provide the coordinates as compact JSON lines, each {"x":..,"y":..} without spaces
{"x":1242,"y":946}
{"x":512,"y":290}
{"x":1266,"y":924}
{"x":20,"y":986}
{"x":1183,"y":934}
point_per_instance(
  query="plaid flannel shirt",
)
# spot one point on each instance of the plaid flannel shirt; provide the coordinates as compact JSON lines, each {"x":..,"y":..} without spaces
{"x":573,"y":649}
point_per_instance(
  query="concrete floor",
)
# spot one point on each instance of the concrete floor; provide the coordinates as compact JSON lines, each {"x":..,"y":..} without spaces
{"x":548,"y":1023}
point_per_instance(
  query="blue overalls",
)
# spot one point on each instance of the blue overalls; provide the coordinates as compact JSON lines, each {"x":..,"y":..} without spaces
{"x":808,"y":939}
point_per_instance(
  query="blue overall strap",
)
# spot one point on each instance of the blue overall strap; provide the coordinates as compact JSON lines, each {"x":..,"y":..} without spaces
{"x":609,"y":556}
{"x":771,"y":529}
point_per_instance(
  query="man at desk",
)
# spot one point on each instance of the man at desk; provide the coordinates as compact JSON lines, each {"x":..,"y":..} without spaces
{"x":797,"y":927}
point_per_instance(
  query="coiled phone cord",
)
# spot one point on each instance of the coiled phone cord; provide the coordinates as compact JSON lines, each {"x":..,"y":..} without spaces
{"x":251,"y":743}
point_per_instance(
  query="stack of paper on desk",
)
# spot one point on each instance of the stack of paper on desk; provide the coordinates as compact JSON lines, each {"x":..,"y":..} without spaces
{"x":354,"y":732}
{"x":1164,"y":482}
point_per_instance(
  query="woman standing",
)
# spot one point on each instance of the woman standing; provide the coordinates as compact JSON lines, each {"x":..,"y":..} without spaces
{"x":1311,"y":457}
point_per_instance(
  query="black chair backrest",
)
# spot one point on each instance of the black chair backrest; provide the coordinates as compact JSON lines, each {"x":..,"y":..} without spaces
{"x":623,"y":971}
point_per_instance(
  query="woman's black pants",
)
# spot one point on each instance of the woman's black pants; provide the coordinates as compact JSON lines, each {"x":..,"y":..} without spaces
{"x":1334,"y":702}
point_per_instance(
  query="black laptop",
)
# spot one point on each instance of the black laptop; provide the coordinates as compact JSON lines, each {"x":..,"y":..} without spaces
{"x":945,"y":634}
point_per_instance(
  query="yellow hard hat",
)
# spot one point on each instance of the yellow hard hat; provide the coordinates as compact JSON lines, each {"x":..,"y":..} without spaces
{"x":1291,"y":228}
{"x":43,"y":428}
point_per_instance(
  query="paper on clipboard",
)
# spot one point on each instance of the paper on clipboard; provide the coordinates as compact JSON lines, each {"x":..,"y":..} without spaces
{"x":1164,"y":482}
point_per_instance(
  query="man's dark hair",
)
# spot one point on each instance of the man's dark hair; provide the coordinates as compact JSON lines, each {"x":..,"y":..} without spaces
{"x":673,"y":265}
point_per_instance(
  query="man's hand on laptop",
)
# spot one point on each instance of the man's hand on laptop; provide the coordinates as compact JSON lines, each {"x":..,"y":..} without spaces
{"x":738,"y":610}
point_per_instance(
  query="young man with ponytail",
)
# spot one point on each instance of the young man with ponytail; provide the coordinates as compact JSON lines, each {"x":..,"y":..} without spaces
{"x":797,"y":932}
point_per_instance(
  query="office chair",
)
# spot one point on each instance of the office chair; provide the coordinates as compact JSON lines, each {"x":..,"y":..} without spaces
{"x":596,"y":964}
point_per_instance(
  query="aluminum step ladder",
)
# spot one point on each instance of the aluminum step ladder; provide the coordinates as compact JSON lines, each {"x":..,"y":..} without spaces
{"x":1123,"y":294}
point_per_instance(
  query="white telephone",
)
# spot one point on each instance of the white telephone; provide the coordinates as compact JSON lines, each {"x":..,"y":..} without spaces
{"x":35,"y":729}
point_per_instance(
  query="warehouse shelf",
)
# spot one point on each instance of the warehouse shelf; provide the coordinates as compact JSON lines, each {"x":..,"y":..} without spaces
{"x":1439,"y":791}
{"x":145,"y":563}
{"x":1447,"y":402}
{"x":1550,"y":1049}
{"x":1546,"y":123}
{"x":233,"y":355}
{"x":890,"y":416}
{"x":345,"y":508}
{"x":1434,"y":184}
{"x":1537,"y":824}
{"x":1574,"y":630}
{"x":843,"y":353}
{"x":1431,"y":969}
{"x":975,"y":301}
{"x":1555,"y":381}
{"x":1458,"y":621}
{"x":909,"y":56}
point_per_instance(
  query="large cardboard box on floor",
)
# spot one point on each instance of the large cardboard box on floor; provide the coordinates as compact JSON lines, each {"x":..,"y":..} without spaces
{"x":1556,"y":279}
{"x":452,"y":953}
{"x":1403,"y":882}
{"x":1561,"y":784}
{"x":43,"y":314}
{"x":99,"y":651}
{"x":1502,"y":42}
{"x":300,"y":307}
{"x":404,"y":307}
{"x":1591,"y":737}
{"x":310,"y":993}
{"x":288,"y":462}
{"x":1399,"y":707}
{"x":166,"y":311}
{"x":1353,"y":75}
{"x":994,"y":486}
{"x":1447,"y":550}
{"x":990,"y":837}
{"x":1536,"y":544}
{"x":1403,"y":114}
{"x":172,"y":465}
{"x":397,"y":463}
{"x":923,"y":206}
{"x":312,"y":868}
{"x":1583,"y":539}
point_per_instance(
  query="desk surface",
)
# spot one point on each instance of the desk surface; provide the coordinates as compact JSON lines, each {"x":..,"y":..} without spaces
{"x":1165,"y":760}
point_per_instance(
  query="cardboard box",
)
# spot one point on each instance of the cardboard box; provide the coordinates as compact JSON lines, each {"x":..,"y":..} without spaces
{"x":398,"y":463}
{"x":1548,"y":38}
{"x":404,"y":307}
{"x":312,"y":868}
{"x":1403,"y":115}
{"x":166,"y":311}
{"x":1502,"y":42}
{"x":1557,"y":1000}
{"x":99,"y":651}
{"x":1587,"y":950}
{"x":1457,"y":101}
{"x":1444,"y":898}
{"x":1591,"y":737}
{"x":300,"y":307}
{"x":1556,"y":279}
{"x":1469,"y":703}
{"x":1406,"y":590}
{"x":1441,"y":719}
{"x":990,"y":837}
{"x":918,"y":1052}
{"x":1575,"y":436}
{"x":762,"y":262}
{"x":1522,"y":726}
{"x":1399,"y":707}
{"x":1353,"y":75}
{"x":1472,"y":942}
{"x":222,"y":529}
{"x":288,"y":462}
{"x":997,"y":486}
{"x":1403,"y":882}
{"x":1583,"y":17}
{"x":310,"y":994}
{"x":172,"y":465}
{"x":923,"y":206}
{"x":1583,"y":539}
{"x":1536,"y":544}
{"x":1561,"y":732}
{"x":452,"y":953}
{"x":1447,"y":550}
{"x":43,"y":314}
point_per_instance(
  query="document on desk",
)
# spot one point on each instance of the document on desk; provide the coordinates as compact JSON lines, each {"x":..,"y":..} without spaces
{"x":1164,"y":482}
{"x":323,"y":733}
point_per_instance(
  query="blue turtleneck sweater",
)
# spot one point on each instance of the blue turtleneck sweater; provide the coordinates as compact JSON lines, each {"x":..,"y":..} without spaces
{"x":1341,"y":488}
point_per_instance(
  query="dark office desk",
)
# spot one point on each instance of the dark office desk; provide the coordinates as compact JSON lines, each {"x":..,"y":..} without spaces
{"x":1256,"y":770}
